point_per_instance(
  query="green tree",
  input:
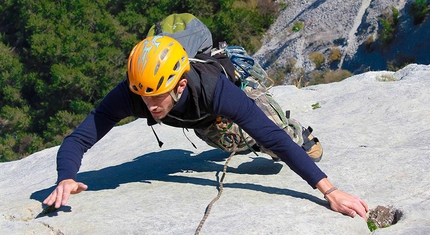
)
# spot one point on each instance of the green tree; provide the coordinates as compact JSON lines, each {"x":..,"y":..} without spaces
{"x":63,"y":123}
{"x":18,"y":118}
{"x":335,"y":54}
{"x":317,"y":58}
{"x":328,"y":76}
{"x":10,"y":77}
{"x":243,"y":22}
{"x":419,"y":10}
{"x":58,"y":59}
{"x":389,"y":22}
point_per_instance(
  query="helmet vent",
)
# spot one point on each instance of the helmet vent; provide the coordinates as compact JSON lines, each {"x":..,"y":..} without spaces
{"x":163,"y":54}
{"x":170,"y":79}
{"x":177,"y":66}
{"x":160,"y":82}
{"x":156,"y":68}
{"x":149,"y":90}
{"x":135,"y":88}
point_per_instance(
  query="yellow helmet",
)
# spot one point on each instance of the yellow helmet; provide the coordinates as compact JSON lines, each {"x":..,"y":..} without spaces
{"x":156,"y":65}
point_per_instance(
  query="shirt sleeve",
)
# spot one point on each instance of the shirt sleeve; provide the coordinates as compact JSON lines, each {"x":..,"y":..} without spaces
{"x":231,"y":102}
{"x":115,"y":106}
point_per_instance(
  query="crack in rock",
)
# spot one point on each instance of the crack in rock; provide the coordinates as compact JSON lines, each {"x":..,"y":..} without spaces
{"x":24,"y":214}
{"x":55,"y":231}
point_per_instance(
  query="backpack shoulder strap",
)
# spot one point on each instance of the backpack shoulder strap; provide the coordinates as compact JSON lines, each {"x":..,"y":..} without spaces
{"x":221,"y":61}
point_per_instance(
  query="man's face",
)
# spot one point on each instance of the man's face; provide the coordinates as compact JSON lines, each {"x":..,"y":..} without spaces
{"x":159,"y":105}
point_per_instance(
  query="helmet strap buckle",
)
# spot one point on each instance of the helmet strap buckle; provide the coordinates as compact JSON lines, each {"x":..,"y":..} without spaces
{"x":175,"y":96}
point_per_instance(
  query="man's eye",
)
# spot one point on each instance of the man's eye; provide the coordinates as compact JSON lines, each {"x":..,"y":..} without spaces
{"x":160,"y":97}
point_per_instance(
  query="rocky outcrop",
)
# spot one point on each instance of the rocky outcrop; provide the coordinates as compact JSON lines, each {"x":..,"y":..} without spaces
{"x":346,"y":25}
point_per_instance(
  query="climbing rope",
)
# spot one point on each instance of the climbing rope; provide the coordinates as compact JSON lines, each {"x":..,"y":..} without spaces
{"x":209,"y":207}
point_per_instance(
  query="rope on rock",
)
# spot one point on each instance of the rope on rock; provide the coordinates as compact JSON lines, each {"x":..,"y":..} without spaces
{"x":209,"y":207}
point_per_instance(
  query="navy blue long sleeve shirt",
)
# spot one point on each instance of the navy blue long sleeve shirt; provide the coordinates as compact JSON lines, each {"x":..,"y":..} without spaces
{"x":228,"y":101}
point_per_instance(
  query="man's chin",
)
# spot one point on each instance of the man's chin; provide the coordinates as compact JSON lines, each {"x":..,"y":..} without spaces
{"x":158,"y":116}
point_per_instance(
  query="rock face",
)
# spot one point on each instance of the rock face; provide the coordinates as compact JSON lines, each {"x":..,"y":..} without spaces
{"x":374,"y":128}
{"x":346,"y":25}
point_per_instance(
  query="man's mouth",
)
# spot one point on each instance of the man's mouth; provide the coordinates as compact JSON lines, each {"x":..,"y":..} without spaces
{"x":155,"y":113}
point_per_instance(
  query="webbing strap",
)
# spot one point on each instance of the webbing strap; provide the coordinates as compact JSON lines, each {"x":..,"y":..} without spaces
{"x":160,"y":143}
{"x":308,"y":143}
{"x":246,"y":142}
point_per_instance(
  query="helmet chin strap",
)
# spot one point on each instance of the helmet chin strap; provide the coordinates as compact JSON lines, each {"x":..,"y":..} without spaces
{"x":175,"y":96}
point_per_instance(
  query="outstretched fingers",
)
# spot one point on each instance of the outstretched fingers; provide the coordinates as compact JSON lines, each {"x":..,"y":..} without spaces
{"x":360,"y":208}
{"x":62,"y":196}
{"x":62,"y":192}
{"x":348,"y":204}
{"x":51,"y":198}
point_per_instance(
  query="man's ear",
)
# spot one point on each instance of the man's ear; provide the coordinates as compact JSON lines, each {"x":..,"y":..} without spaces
{"x":181,"y":86}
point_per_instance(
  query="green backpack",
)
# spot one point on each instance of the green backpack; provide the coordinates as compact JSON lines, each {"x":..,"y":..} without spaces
{"x":194,"y":36}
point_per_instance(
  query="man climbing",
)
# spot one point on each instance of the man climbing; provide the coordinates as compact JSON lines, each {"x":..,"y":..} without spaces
{"x":163,"y":86}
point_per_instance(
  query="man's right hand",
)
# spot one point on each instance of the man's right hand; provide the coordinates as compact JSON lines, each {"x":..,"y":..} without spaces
{"x":61,"y":194}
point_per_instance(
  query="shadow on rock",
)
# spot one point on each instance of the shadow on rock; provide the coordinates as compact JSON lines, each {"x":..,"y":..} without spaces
{"x":51,"y":211}
{"x":162,"y":166}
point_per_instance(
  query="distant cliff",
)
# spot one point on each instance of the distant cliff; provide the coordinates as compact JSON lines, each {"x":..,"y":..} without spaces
{"x":353,"y":28}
